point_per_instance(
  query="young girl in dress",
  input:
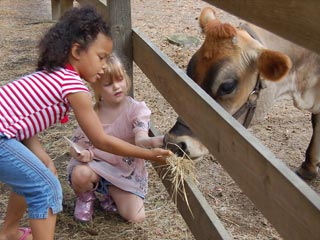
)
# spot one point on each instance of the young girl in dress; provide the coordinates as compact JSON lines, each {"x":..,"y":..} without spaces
{"x":73,"y":51}
{"x":121,"y":180}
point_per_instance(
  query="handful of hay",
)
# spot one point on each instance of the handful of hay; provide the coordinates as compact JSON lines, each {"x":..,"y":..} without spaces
{"x":178,"y":169}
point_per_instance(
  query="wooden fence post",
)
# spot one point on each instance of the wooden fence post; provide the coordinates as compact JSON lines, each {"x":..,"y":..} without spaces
{"x":58,"y":7}
{"x":119,"y":19}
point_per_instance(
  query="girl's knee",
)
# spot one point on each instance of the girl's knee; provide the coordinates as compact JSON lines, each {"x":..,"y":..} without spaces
{"x":83,"y":178}
{"x":137,"y":219}
{"x":82,"y":173}
{"x":134,"y":216}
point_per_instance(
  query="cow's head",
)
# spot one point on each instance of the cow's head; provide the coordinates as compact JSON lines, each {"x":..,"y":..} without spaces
{"x":227,"y":66}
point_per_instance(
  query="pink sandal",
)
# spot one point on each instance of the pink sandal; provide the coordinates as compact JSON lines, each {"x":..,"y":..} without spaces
{"x":25,"y":233}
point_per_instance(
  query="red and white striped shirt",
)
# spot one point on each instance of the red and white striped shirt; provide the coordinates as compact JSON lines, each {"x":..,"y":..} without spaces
{"x":36,"y":101}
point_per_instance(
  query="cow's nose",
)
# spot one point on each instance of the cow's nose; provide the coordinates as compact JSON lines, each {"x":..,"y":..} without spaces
{"x":178,"y":148}
{"x":181,"y":148}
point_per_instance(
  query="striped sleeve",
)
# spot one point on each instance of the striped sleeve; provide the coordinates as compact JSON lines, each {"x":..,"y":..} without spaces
{"x":71,"y":84}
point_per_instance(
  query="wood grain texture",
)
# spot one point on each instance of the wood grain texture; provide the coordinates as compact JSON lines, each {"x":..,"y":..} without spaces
{"x":202,"y":221}
{"x":58,"y":7}
{"x":290,"y":205}
{"x":119,"y":19}
{"x":297,"y":21}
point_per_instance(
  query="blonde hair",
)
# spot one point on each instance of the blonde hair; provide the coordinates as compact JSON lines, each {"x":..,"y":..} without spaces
{"x":114,"y":70}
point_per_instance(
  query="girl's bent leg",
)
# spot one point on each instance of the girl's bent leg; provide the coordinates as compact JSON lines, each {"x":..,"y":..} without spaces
{"x":83,"y":180}
{"x":15,"y":210}
{"x":35,"y":183}
{"x":130,"y":206}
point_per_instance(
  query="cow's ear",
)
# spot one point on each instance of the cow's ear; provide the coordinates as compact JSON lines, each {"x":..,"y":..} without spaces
{"x":273,"y":65}
{"x":207,"y":15}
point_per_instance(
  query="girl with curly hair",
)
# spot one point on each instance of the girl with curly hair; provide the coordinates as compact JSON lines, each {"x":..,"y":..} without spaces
{"x":74,"y":50}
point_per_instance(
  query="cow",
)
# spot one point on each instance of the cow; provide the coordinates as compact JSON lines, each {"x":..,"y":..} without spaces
{"x":246,"y":69}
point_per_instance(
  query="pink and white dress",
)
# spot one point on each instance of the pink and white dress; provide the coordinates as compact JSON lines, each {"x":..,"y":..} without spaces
{"x":127,"y":173}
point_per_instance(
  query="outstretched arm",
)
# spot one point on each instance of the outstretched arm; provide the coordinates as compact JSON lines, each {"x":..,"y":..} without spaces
{"x":91,"y":126}
{"x":142,"y":139}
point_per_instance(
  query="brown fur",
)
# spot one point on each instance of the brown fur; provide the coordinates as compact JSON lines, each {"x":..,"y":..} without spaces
{"x":207,"y":14}
{"x":229,"y":62}
{"x":216,"y":30}
{"x":273,"y":65}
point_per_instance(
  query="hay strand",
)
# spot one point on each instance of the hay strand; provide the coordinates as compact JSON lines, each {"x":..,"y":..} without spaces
{"x":178,"y":169}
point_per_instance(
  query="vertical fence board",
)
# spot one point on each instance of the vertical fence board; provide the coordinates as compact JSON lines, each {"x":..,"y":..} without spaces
{"x":98,"y":4}
{"x":119,"y":18}
{"x":58,"y":7}
{"x":290,"y":205}
{"x":201,"y":220}
{"x":287,"y":202}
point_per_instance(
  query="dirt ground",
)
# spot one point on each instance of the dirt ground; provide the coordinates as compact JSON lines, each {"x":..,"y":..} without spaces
{"x":285,"y":130}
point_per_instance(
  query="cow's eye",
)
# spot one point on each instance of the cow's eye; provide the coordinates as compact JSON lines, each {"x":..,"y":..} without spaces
{"x":227,"y":87}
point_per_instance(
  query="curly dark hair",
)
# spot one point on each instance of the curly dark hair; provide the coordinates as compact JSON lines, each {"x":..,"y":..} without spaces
{"x":77,"y":25}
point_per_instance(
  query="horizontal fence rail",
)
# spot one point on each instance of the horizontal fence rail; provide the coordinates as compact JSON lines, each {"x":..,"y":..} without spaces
{"x":295,"y":20}
{"x":202,"y":220}
{"x":289,"y":204}
{"x":286,"y":201}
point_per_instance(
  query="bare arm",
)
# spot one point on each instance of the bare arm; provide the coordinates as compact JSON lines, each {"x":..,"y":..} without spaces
{"x":91,"y":126}
{"x":36,"y":147}
{"x":142,"y":139}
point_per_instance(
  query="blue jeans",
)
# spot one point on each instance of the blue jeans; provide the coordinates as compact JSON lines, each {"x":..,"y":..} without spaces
{"x":28,"y":176}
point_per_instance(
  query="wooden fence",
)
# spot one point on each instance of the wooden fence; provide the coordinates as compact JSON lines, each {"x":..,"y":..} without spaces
{"x":288,"y":203}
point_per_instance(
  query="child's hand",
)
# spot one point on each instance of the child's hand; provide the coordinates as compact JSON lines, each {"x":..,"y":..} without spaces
{"x":160,"y":155}
{"x":83,"y":156}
